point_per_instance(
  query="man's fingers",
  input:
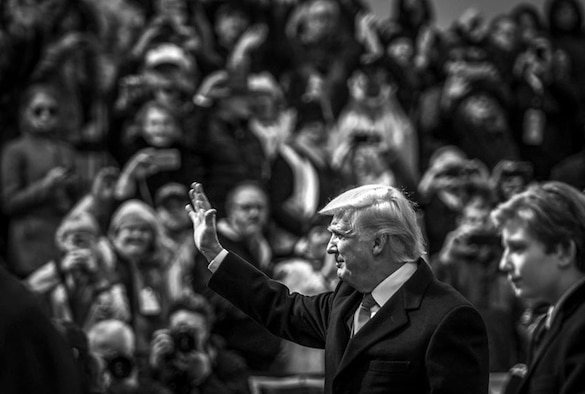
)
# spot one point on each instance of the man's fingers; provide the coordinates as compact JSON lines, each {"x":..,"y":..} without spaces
{"x":198,"y":198}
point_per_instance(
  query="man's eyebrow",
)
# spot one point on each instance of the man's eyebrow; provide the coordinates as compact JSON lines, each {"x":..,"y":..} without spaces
{"x":339,"y":231}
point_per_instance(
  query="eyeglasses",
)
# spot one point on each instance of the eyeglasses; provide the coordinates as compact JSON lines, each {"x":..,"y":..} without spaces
{"x":40,"y":110}
{"x":249,"y":207}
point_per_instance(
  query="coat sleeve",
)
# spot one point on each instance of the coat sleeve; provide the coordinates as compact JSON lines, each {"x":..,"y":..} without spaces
{"x":297,"y":318}
{"x":457,"y":358}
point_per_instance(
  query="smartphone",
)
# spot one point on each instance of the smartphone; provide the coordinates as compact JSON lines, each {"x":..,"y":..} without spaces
{"x":167,"y":159}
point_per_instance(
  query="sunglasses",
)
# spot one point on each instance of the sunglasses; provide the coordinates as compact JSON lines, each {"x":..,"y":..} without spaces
{"x":38,"y":111}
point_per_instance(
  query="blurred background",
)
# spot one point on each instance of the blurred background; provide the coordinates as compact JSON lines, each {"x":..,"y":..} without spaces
{"x":449,"y":10}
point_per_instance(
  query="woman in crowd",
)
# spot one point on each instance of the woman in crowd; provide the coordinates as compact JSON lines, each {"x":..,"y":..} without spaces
{"x":38,"y":182}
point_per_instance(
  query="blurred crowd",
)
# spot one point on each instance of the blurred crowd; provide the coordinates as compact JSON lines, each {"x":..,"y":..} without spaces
{"x":110,"y":109}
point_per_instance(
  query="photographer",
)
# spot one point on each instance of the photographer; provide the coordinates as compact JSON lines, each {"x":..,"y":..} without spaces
{"x":113,"y":344}
{"x":442,"y":191}
{"x":78,"y":284}
{"x":469,"y":262}
{"x":510,"y":177}
{"x":185,"y":357}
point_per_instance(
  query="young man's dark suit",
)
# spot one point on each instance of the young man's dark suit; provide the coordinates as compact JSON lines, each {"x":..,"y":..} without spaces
{"x":34,"y":357}
{"x":426,"y":338}
{"x":557,"y":362}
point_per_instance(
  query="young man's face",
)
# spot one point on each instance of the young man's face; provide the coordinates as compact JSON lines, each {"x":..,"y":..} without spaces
{"x":531,"y":269}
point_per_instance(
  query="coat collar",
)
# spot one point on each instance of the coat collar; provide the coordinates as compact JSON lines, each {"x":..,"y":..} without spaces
{"x":391,"y":317}
{"x":567,"y":309}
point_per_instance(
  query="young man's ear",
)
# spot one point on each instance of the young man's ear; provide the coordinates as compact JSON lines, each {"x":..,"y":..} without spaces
{"x":566,"y":253}
{"x":379,"y":243}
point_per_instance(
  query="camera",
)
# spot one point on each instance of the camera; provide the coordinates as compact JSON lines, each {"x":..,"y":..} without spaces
{"x":365,"y":138}
{"x":521,"y":169}
{"x":185,"y":339}
{"x":120,"y":366}
{"x":484,"y":238}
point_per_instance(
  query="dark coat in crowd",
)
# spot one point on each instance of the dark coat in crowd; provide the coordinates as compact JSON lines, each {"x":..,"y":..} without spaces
{"x":34,"y":357}
{"x":555,"y":364}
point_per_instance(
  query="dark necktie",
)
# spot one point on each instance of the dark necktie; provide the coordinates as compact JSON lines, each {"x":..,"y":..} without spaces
{"x":365,"y":311}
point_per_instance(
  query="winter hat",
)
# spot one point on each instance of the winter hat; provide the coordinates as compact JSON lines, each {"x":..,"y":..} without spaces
{"x":168,"y":53}
{"x":77,"y":221}
{"x":169,"y":191}
{"x":132,"y":212}
{"x":264,"y":83}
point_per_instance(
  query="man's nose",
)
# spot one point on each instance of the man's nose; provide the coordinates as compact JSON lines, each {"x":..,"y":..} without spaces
{"x":331,"y":247}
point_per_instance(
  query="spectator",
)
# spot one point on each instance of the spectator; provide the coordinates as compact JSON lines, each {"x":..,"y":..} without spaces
{"x":479,"y":124}
{"x":187,"y":357}
{"x":243,"y":229}
{"x":113,"y":343}
{"x":442,"y":192}
{"x":530,"y":23}
{"x":302,"y":179}
{"x":469,"y":262}
{"x":78,"y":285}
{"x":565,"y":23}
{"x":38,"y":182}
{"x":232,"y":151}
{"x":503,"y":44}
{"x":324,"y":48}
{"x":170,"y":202}
{"x":158,"y":156}
{"x":141,"y":267}
{"x":546,"y":117}
{"x":413,"y":17}
{"x":511,"y":177}
{"x":270,"y":120}
{"x":374,"y":111}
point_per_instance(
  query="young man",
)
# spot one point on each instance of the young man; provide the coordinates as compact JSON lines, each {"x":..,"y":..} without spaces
{"x":543,"y":232}
{"x":411,"y":334}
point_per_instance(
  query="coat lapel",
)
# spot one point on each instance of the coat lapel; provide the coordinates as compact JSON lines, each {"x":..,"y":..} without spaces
{"x":390,"y":318}
{"x":340,"y":332}
{"x":566,"y":310}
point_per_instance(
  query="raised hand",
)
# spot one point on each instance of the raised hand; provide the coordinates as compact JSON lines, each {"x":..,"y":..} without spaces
{"x":203,"y":217}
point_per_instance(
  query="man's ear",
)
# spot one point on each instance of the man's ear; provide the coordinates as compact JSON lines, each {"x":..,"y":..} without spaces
{"x":379,"y":243}
{"x":566,"y":253}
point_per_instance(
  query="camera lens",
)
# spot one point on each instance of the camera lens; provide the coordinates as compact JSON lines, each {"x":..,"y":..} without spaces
{"x":120,"y":366}
{"x":184,"y":340}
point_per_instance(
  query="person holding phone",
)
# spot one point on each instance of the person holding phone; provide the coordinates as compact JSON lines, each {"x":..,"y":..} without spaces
{"x":157,"y":155}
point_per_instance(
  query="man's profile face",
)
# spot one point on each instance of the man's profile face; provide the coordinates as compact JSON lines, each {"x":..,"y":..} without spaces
{"x":352,"y":255}
{"x":531,"y":269}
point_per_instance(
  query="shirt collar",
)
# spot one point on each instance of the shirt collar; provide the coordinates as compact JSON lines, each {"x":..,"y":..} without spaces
{"x":389,"y":286}
{"x":553,"y":309}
